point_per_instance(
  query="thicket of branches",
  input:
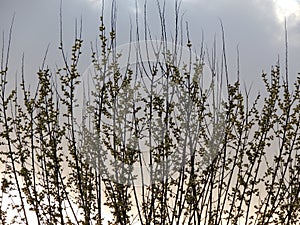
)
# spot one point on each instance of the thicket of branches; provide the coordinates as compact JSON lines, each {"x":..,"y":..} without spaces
{"x":161,"y":141}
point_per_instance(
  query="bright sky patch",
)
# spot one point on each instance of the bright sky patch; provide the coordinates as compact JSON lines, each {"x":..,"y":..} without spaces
{"x":287,"y":8}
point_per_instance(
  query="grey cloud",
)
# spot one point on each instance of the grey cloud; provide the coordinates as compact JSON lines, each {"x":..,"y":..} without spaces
{"x":251,"y":24}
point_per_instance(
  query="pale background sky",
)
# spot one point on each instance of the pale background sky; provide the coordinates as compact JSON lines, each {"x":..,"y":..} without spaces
{"x":256,"y":26}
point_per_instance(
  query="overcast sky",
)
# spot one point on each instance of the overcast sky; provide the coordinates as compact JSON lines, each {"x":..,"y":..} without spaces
{"x":256,"y":26}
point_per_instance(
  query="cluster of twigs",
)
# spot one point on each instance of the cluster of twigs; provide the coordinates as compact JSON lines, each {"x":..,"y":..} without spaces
{"x":160,"y":141}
